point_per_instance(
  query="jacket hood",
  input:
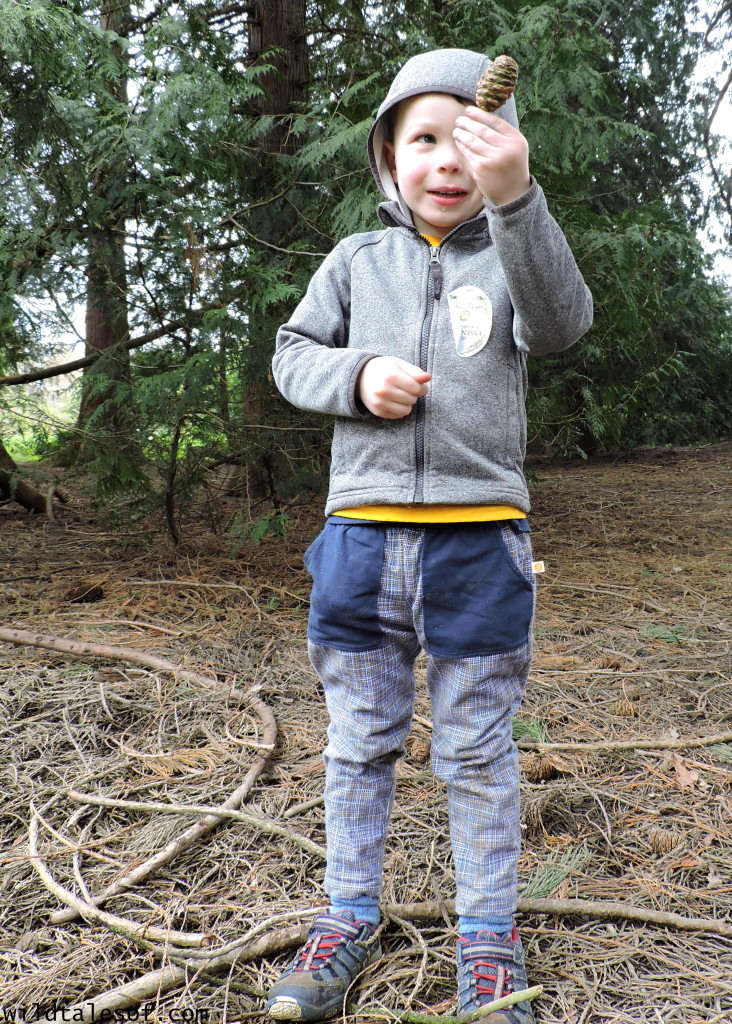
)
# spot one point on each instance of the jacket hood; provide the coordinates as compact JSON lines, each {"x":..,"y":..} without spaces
{"x":452,"y":71}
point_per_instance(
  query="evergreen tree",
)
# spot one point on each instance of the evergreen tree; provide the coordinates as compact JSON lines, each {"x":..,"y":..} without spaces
{"x":184,"y":169}
{"x":718,"y":42}
{"x":107,"y":327}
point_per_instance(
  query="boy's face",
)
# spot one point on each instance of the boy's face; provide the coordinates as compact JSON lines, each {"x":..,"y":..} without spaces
{"x":433,"y":178}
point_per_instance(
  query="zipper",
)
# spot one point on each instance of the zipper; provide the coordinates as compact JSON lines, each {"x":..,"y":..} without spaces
{"x":434,"y":291}
{"x":436,"y":271}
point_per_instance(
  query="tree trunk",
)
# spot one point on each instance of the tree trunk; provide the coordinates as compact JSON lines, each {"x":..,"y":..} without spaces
{"x":277,"y":37}
{"x":106,"y":324}
{"x":107,"y":327}
{"x":14,"y":488}
{"x":280,"y":25}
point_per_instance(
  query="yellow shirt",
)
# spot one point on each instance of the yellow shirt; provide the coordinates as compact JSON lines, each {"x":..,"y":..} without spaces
{"x":432,"y":513}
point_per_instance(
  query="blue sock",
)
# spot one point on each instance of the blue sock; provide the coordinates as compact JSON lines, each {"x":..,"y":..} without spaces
{"x":500,"y":924}
{"x":364,"y":908}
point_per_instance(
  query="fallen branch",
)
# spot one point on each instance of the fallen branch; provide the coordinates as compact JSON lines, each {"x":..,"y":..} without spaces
{"x":201,"y":828}
{"x":168,"y":978}
{"x":15,"y":487}
{"x":120,"y":925}
{"x":524,"y":995}
{"x":431,"y":911}
{"x":263,"y":824}
{"x":84,"y":648}
{"x":171,"y":977}
{"x":639,"y":744}
{"x":608,"y":745}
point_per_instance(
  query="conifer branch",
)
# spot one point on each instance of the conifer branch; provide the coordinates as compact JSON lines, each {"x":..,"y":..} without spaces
{"x":271,"y":245}
{"x":724,"y":186}
{"x":232,"y":10}
{"x":132,"y":343}
{"x":717,"y":18}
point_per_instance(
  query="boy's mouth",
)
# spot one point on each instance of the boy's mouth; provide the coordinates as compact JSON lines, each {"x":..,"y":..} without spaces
{"x":447,"y":196}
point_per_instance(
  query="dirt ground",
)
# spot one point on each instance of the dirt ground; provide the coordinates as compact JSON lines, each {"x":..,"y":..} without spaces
{"x":632,"y":643}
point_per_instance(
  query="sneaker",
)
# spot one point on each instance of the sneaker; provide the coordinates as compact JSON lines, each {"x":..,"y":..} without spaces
{"x":490,"y":967}
{"x":314,"y":986}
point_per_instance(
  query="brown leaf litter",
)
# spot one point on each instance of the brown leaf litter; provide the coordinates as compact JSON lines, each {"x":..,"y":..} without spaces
{"x":632,"y":643}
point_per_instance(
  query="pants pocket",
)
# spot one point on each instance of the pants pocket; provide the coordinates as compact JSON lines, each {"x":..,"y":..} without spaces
{"x":516,"y":539}
{"x":478,"y":596}
{"x":345,"y":564}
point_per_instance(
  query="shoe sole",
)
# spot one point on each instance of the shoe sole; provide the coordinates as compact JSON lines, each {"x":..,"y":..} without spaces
{"x":285,"y":1008}
{"x":288,"y":1008}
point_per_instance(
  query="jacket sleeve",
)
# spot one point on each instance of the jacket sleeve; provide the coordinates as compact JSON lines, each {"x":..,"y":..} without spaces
{"x":552,"y":304}
{"x":312,"y":366}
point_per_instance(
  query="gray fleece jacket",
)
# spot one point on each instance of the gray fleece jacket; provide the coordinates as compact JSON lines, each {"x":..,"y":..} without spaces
{"x":500,"y":286}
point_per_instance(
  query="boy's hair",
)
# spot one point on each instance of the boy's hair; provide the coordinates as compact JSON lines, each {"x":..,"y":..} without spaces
{"x":392,"y":114}
{"x":455,"y":72}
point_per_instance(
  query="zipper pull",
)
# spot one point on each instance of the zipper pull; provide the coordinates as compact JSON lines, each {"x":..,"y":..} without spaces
{"x":436,"y":270}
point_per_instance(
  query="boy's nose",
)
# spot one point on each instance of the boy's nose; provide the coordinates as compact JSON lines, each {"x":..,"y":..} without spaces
{"x":449,"y":158}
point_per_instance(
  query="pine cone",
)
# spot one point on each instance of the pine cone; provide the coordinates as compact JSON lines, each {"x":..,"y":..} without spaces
{"x":497,"y":83}
{"x":663,"y":840}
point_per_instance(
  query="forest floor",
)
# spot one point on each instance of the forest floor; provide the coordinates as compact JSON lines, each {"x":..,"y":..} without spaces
{"x":632,"y":644}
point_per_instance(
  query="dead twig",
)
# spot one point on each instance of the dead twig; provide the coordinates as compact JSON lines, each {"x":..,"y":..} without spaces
{"x":121,"y":925}
{"x":307,"y":805}
{"x":524,"y":995}
{"x":262,"y":824}
{"x":201,"y":828}
{"x":192,"y":835}
{"x":49,"y":502}
{"x":639,"y":744}
{"x":432,"y":911}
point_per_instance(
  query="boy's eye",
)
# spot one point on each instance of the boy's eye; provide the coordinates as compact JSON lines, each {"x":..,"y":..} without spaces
{"x":426,"y":137}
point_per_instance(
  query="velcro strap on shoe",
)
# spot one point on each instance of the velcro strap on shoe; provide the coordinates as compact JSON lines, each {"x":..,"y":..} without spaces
{"x":493,"y":951}
{"x":333,"y":925}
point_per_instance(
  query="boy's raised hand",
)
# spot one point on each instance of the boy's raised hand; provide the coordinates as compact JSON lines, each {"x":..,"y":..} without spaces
{"x":497,"y":152}
{"x":389,"y":387}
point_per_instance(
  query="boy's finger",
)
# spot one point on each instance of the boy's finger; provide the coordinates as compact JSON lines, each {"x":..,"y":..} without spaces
{"x":395,"y":412}
{"x":412,"y":386}
{"x":396,"y":406}
{"x":415,"y":372}
{"x":490,"y":120}
{"x":477,"y":136}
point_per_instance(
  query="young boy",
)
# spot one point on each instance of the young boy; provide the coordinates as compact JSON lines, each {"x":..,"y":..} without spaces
{"x":416,"y":337}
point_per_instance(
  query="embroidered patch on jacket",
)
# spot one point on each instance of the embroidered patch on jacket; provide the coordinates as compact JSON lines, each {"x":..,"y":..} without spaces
{"x":471,"y":315}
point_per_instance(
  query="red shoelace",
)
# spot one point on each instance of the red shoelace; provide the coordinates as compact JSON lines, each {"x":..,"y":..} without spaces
{"x":322,"y":945}
{"x":490,"y":990}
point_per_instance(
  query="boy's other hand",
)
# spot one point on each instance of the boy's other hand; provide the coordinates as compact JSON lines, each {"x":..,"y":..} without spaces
{"x":497,"y":152}
{"x":389,"y":387}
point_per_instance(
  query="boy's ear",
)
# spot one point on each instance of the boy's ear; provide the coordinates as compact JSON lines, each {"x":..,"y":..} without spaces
{"x":390,"y":160}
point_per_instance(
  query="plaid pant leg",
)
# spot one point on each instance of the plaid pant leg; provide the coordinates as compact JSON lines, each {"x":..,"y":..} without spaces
{"x":473,"y":702}
{"x":370,"y":700}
